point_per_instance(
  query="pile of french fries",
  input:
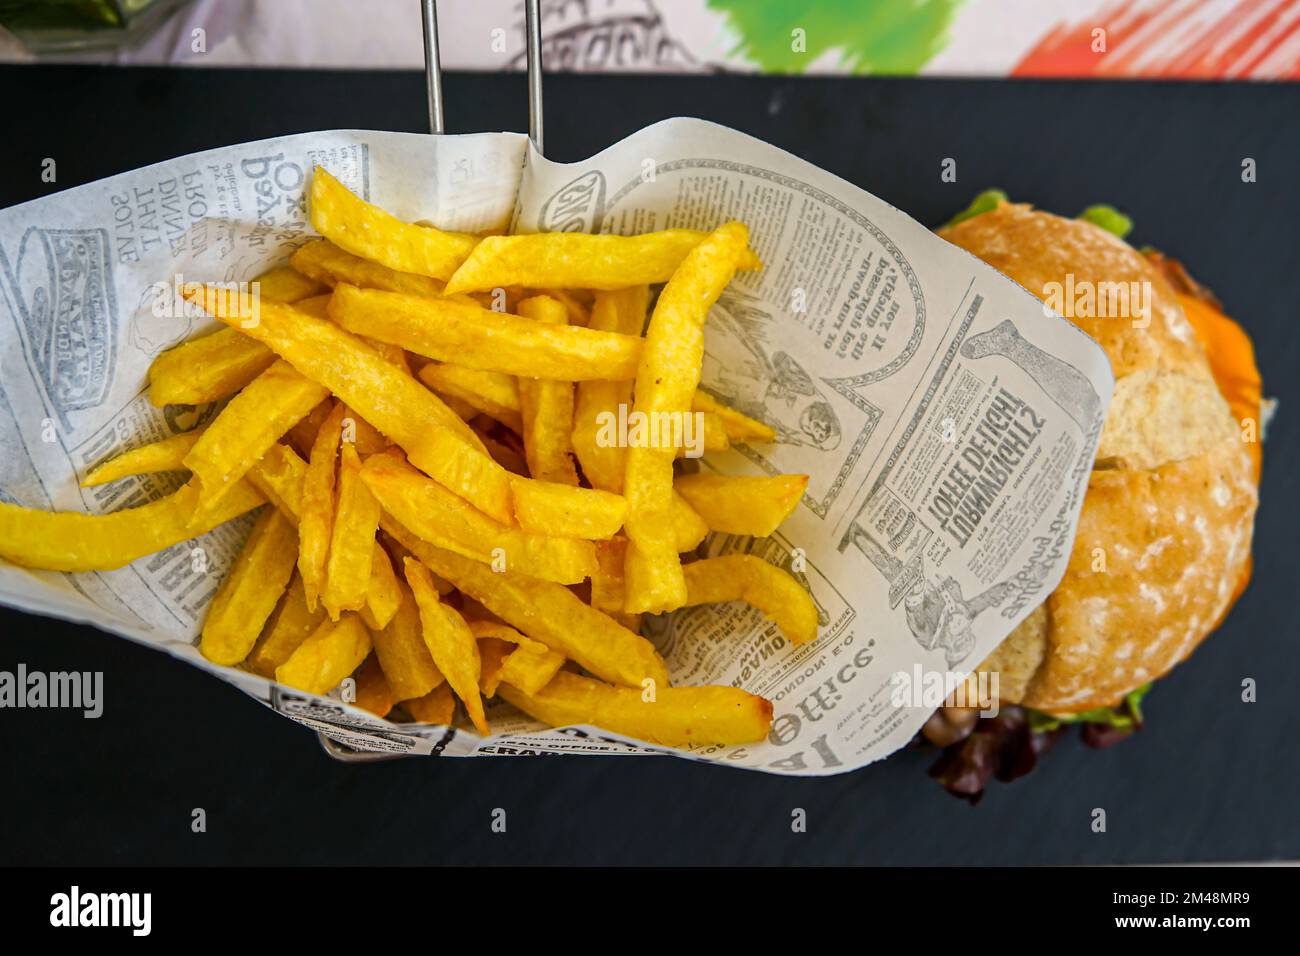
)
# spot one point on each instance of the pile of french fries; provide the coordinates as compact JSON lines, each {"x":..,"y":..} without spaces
{"x":423,"y":415}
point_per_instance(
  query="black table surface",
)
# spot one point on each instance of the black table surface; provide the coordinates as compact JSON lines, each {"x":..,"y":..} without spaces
{"x":1209,"y":778}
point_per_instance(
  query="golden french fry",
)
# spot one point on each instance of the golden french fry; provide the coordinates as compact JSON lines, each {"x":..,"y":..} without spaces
{"x":546,"y":408}
{"x":250,"y":591}
{"x":529,"y":665}
{"x":544,"y":507}
{"x":436,"y":707}
{"x":436,"y":440}
{"x":495,"y":394}
{"x":74,"y":541}
{"x":290,"y":625}
{"x":362,"y":229}
{"x":165,"y":455}
{"x":303,"y":434}
{"x":317,"y":306}
{"x":352,"y":538}
{"x":383,"y":591}
{"x":316,"y":514}
{"x":279,"y":477}
{"x":712,"y":437}
{"x":250,"y":424}
{"x":368,"y":439}
{"x":547,"y":612}
{"x":740,"y":428}
{"x":748,"y":578}
{"x":373,"y":691}
{"x":450,"y":642}
{"x":451,"y":331}
{"x":328,"y":264}
{"x":575,"y":312}
{"x":624,"y":312}
{"x":207,"y":369}
{"x":673,"y":717}
{"x":570,"y":260}
{"x":503,"y":454}
{"x":607,"y":583}
{"x":742,"y":504}
{"x":402,"y":653}
{"x":492,"y":653}
{"x":434,"y":514}
{"x":666,"y":382}
{"x":286,"y":284}
{"x":689,"y":528}
{"x":332,"y":652}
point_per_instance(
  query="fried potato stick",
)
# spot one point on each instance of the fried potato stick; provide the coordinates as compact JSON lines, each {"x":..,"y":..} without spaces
{"x":570,"y":260}
{"x":742,"y":504}
{"x":332,"y":652}
{"x":250,"y":424}
{"x":250,"y":591}
{"x":365,"y":230}
{"x":436,"y":707}
{"x":403,"y":654}
{"x":436,"y":515}
{"x":165,"y":455}
{"x":546,"y":408}
{"x":748,"y":578}
{"x":316,"y":515}
{"x":75,"y":541}
{"x":373,"y":691}
{"x":666,"y":382}
{"x":451,"y":643}
{"x":290,"y":625}
{"x":675,"y":717}
{"x":623,"y":312}
{"x":214,"y":366}
{"x":279,"y":476}
{"x":494,"y":394}
{"x":352,"y":538}
{"x":547,"y":612}
{"x":436,"y":440}
{"x":468,"y":335}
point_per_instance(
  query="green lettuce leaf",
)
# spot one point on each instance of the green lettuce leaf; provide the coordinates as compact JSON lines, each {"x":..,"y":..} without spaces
{"x":1128,"y":713}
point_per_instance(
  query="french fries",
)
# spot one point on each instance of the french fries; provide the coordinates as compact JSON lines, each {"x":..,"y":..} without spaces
{"x":568,"y":260}
{"x":352,"y":539}
{"x":249,"y":425}
{"x":665,"y":384}
{"x":388,"y":409}
{"x":546,"y":408}
{"x":316,"y":518}
{"x":745,"y":577}
{"x":742,"y":505}
{"x":291,"y":624}
{"x":332,"y":652}
{"x":165,"y":455}
{"x":437,"y":516}
{"x":452,"y":331}
{"x":250,"y":591}
{"x":672,"y":717}
{"x":436,"y":440}
{"x":74,"y":541}
{"x":547,"y":612}
{"x":356,"y":226}
{"x":451,"y":643}
{"x":403,"y":654}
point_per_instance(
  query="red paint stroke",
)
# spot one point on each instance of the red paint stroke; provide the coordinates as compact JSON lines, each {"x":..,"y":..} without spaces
{"x":1165,"y":39}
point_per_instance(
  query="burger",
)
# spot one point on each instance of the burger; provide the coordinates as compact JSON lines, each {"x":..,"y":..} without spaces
{"x":1163,"y":544}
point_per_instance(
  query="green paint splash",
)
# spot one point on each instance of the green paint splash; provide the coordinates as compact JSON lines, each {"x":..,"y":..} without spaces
{"x":872,"y":36}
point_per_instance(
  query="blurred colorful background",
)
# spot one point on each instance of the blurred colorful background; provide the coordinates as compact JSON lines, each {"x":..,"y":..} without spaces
{"x":1174,"y":39}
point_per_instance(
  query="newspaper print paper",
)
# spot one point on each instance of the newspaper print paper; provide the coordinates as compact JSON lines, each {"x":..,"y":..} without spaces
{"x":947,"y":421}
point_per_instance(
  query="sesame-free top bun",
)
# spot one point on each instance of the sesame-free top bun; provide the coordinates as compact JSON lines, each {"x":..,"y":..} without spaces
{"x":1165,"y":532}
